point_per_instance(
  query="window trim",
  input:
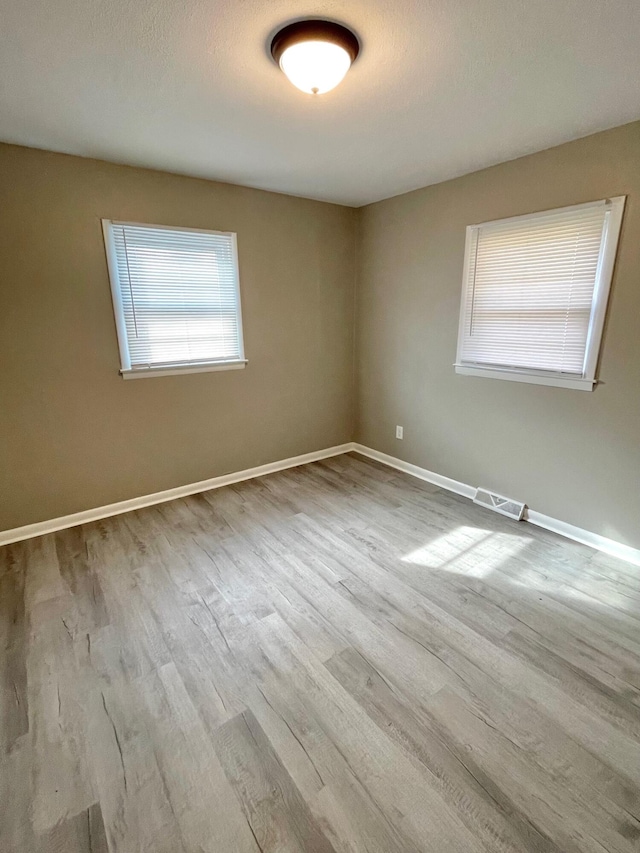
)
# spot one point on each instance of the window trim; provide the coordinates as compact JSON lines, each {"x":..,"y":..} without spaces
{"x":604,"y":275}
{"x":166,"y":369}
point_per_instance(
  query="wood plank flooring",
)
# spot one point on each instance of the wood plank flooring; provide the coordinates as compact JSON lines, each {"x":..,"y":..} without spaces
{"x":332,"y":659}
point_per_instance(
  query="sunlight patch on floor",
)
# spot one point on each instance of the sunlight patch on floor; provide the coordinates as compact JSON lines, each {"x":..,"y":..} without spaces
{"x":470,"y":551}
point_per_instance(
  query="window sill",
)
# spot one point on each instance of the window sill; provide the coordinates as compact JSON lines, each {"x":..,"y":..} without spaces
{"x":169,"y":370}
{"x":577,"y":383}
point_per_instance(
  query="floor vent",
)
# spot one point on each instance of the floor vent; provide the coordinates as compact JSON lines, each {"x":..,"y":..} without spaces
{"x":498,"y":503}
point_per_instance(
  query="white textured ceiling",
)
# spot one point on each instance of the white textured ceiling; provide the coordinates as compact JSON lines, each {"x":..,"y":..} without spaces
{"x":441,"y":87}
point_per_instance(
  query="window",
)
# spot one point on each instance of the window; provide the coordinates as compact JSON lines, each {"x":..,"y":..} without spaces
{"x":534,"y":294}
{"x":176,"y":298}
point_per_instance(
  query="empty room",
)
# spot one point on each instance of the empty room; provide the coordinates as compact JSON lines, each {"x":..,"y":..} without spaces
{"x":320,"y":426}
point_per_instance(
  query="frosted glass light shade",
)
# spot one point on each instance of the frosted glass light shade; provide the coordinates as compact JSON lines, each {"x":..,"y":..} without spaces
{"x":315,"y":67}
{"x":315,"y":54}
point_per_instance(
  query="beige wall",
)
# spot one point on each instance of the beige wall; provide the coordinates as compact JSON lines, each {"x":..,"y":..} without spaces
{"x":73,"y":434}
{"x":571,"y":454}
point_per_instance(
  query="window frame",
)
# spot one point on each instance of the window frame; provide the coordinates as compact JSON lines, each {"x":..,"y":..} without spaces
{"x":166,"y":369}
{"x":604,"y":275}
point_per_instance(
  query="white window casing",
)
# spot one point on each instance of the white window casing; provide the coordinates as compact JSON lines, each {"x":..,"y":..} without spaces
{"x":176,"y":299}
{"x":534,"y":294}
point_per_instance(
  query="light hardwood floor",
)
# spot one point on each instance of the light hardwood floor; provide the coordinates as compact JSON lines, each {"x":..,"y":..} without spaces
{"x":332,"y":659}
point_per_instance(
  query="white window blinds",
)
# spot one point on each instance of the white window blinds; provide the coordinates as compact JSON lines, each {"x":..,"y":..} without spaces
{"x":176,"y":296}
{"x":532,"y":288}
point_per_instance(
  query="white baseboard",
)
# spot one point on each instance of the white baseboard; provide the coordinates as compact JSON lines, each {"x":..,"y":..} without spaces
{"x":586,"y":537}
{"x":42,"y":527}
{"x":563,"y":528}
{"x":421,"y":473}
{"x":570,"y":531}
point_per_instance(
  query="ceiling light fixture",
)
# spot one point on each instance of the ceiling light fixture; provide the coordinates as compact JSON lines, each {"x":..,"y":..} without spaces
{"x":315,"y":55}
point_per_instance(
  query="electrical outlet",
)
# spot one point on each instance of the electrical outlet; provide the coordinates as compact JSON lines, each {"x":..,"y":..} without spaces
{"x":399,"y":432}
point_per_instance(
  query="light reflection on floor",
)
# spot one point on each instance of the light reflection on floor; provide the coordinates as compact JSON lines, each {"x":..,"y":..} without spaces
{"x":470,"y":551}
{"x":476,"y":552}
